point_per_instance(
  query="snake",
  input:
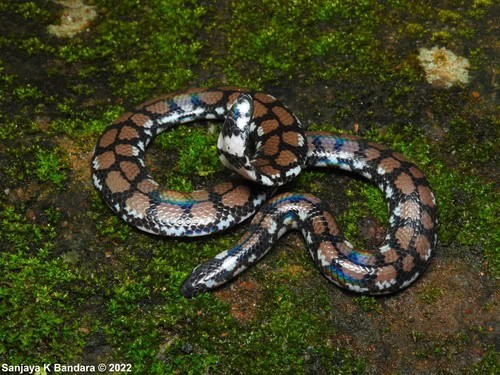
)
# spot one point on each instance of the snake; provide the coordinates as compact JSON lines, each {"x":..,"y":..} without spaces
{"x":265,"y":146}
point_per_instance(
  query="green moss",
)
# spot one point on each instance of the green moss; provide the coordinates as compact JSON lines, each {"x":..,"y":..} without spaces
{"x":124,"y":284}
{"x":368,"y":304}
{"x":50,"y":166}
{"x":430,"y":294}
{"x":38,"y":313}
{"x":489,"y":364}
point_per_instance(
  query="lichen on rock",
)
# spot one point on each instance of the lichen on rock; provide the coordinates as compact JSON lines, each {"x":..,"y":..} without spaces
{"x":443,"y":69}
{"x":75,"y":18}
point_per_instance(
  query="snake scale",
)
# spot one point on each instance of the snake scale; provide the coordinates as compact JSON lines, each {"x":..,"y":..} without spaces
{"x":264,"y":143}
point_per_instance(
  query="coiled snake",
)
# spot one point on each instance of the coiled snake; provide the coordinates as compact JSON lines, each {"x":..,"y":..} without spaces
{"x":264,"y":142}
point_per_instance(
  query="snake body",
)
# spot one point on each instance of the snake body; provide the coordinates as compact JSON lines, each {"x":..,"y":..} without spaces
{"x":264,"y":142}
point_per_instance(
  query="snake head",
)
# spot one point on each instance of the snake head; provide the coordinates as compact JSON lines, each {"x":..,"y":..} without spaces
{"x":235,"y":149}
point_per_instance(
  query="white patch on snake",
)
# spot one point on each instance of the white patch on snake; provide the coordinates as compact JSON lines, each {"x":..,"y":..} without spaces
{"x":384,"y":284}
{"x":367,"y":174}
{"x":282,"y":231}
{"x":233,"y":145}
{"x":384,"y":248}
{"x":357,"y":165}
{"x":220,"y":111}
{"x":135,"y":151}
{"x":389,"y":192}
{"x":355,"y":288}
{"x":230,"y":263}
{"x":226,"y":223}
{"x":272,"y":227}
{"x":293,"y":172}
{"x":140,"y":144}
{"x":97,"y":182}
{"x":303,"y":215}
{"x":408,"y":282}
{"x":428,"y":253}
{"x":264,"y":180}
{"x":222,"y":255}
{"x":380,"y":171}
{"x":253,"y":125}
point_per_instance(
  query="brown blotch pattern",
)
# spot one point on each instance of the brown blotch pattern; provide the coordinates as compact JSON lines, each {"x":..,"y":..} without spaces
{"x":123,"y":117}
{"x":222,"y":188}
{"x":236,"y":197}
{"x":260,"y":162}
{"x":200,"y":195}
{"x":427,"y":221}
{"x":211,"y":97}
{"x":128,"y":133}
{"x":318,"y":225}
{"x":355,"y":273}
{"x":286,"y":158}
{"x":285,"y":117}
{"x":267,"y":222}
{"x":232,"y":98}
{"x":108,"y":138}
{"x":264,"y":98}
{"x":140,"y":120}
{"x":125,"y":150}
{"x":405,"y":184}
{"x":389,"y":164}
{"x":425,"y":195}
{"x":159,"y":107}
{"x":422,"y":246}
{"x":404,"y":236}
{"x":408,"y":263}
{"x":259,"y":110}
{"x":116,"y":183}
{"x":386,"y":274}
{"x":390,"y":256}
{"x":269,"y":125}
{"x":328,"y":251}
{"x":131,"y":170}
{"x":417,"y":173}
{"x":400,"y":157}
{"x":204,"y":212}
{"x":105,"y":160}
{"x":410,"y":210}
{"x":332,"y":224}
{"x":268,"y":170}
{"x":139,"y":203}
{"x":272,"y":145}
{"x":147,"y":186}
{"x":172,"y":195}
{"x":292,"y":138}
{"x":171,"y":211}
{"x":372,"y":153}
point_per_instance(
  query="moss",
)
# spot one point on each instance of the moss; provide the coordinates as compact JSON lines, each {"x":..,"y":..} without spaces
{"x":49,"y":166}
{"x":368,"y":304}
{"x":489,"y":363}
{"x":38,"y":313}
{"x":430,"y":294}
{"x":121,"y":291}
